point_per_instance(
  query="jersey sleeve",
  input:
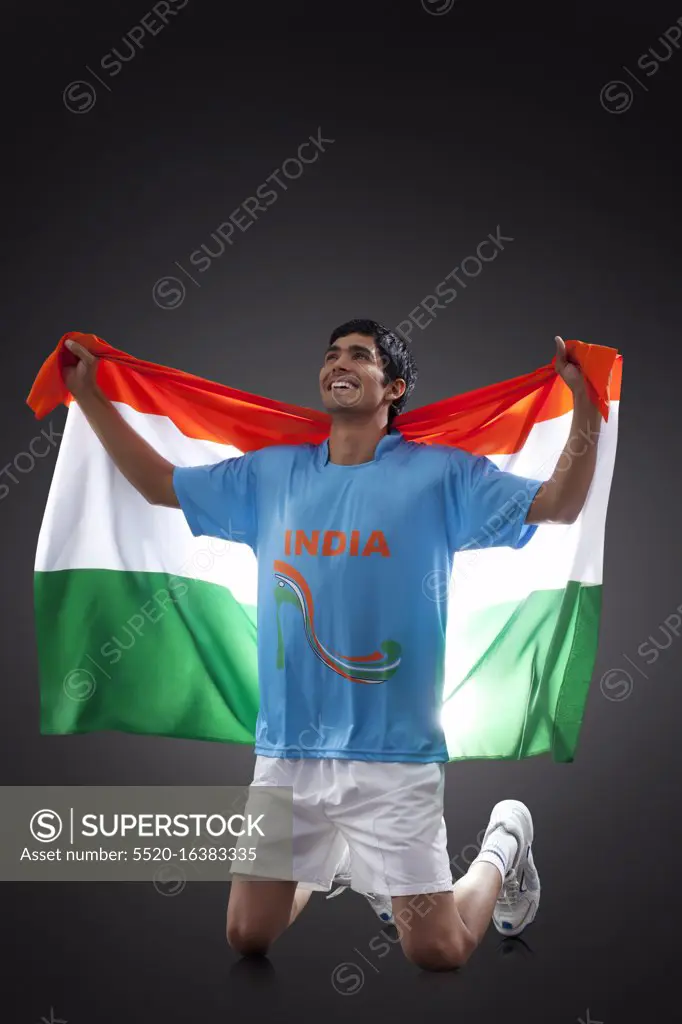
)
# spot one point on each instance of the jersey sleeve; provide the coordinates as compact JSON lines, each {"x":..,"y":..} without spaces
{"x":220,"y":500}
{"x":486,"y":506}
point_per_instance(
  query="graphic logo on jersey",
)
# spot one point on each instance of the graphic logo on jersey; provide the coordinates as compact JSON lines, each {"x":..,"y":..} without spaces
{"x":377,"y":667}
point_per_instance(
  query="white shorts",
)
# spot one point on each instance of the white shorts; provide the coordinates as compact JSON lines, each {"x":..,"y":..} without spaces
{"x":389,"y":816}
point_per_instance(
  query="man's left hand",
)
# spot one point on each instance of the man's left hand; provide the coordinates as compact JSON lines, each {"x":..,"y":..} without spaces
{"x":568,"y":370}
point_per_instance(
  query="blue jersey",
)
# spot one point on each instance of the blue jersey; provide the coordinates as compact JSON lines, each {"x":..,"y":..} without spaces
{"x":351,"y":630}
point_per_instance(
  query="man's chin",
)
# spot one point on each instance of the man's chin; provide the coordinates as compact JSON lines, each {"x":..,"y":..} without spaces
{"x":344,"y":404}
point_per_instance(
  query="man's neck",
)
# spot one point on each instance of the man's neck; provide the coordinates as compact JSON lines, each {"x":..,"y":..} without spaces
{"x":351,"y":444}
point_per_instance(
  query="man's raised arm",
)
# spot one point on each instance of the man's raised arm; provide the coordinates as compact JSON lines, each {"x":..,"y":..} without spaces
{"x":561,"y":498}
{"x":141,"y":465}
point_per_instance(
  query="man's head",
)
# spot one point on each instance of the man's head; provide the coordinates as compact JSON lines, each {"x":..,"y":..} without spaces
{"x":367,"y":368}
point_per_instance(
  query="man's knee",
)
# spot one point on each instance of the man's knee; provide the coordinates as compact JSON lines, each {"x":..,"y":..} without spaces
{"x":257,"y":912}
{"x":438,"y":953}
{"x":247,"y":941}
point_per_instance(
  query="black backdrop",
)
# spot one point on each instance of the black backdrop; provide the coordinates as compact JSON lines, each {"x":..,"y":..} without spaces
{"x":554,"y":125}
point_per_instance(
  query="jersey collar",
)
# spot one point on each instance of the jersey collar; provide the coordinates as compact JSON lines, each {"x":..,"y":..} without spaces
{"x":387,"y":443}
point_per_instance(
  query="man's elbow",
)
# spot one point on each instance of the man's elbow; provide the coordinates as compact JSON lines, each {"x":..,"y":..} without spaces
{"x":568,"y":516}
{"x":566,"y":511}
{"x":160,"y":492}
{"x":557,"y":511}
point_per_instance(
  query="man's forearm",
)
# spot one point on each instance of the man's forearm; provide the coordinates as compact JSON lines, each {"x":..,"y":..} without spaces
{"x":561,"y":498}
{"x":141,"y":465}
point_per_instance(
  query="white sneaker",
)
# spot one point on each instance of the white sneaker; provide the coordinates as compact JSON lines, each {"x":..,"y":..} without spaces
{"x":382,"y":905}
{"x":519,"y":897}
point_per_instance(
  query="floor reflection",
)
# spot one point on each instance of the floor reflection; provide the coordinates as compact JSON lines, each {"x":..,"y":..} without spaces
{"x":253,"y":973}
{"x":516,"y":947}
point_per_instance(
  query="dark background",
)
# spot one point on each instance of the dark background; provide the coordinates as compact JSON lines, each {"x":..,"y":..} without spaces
{"x":445,"y":127}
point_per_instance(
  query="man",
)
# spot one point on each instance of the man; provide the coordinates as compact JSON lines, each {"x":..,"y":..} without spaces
{"x":351,"y":644}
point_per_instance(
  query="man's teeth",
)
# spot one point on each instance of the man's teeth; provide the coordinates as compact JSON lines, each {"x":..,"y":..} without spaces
{"x":342,"y":384}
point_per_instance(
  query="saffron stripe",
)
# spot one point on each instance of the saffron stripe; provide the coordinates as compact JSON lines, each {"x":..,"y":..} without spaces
{"x":492,"y":420}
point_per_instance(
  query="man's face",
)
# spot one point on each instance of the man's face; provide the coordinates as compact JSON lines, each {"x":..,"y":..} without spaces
{"x":352,"y":377}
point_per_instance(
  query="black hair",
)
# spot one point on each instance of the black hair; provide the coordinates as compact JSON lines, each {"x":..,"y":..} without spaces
{"x":396,"y":354}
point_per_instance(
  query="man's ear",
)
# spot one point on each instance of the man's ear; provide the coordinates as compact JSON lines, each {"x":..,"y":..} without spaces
{"x":397,"y":389}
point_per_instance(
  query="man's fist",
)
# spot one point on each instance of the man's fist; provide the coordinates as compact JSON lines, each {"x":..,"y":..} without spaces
{"x":80,"y":376}
{"x":569,"y":370}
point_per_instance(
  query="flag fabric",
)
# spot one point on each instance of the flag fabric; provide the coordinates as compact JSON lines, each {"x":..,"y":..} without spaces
{"x":143,"y":628}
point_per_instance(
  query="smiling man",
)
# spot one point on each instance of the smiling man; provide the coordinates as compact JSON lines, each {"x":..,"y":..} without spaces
{"x":351,"y":646}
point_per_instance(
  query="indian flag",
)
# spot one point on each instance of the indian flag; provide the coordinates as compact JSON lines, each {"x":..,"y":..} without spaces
{"x":143,"y":628}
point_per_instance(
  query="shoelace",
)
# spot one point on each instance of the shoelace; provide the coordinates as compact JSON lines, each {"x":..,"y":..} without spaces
{"x":343,"y":888}
{"x":337,"y":892}
{"x":510,"y":891}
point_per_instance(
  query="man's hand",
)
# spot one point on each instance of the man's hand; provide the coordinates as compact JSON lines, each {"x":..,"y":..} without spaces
{"x":80,"y":378}
{"x":570,"y":372}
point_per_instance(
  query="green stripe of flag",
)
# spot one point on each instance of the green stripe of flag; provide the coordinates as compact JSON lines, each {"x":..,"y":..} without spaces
{"x":160,"y":655}
{"x":527,"y":690}
{"x":166,"y":656}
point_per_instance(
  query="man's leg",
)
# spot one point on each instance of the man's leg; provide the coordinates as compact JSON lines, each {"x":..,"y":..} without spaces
{"x":258,"y":913}
{"x":439,"y":931}
{"x":258,"y":910}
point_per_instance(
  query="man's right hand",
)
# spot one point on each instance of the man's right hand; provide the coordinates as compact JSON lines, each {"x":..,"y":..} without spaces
{"x":80,"y":379}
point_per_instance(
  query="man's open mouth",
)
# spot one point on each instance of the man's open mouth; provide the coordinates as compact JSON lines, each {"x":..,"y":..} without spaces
{"x":344,"y":384}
